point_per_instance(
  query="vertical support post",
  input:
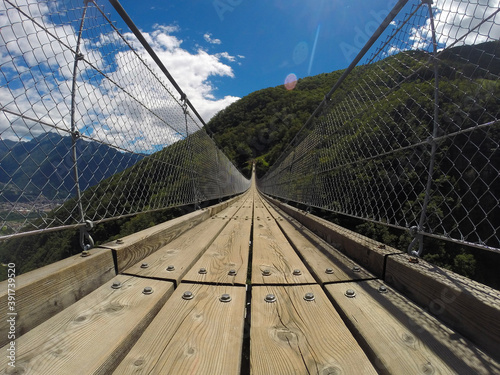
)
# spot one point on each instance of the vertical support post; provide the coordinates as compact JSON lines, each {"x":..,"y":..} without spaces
{"x":86,"y":241}
{"x":290,"y":179}
{"x":417,"y":232}
{"x":312,"y":190}
{"x":218,"y":170}
{"x":190,"y":151}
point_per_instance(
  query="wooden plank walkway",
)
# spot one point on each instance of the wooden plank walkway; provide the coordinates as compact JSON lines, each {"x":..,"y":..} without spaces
{"x":246,"y":290}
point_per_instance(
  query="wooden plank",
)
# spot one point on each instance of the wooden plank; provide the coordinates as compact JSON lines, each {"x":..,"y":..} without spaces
{"x":295,"y":336}
{"x":229,"y":252}
{"x":230,"y":211}
{"x":470,"y":308}
{"x":366,"y":252}
{"x":402,"y":338}
{"x":44,"y":292}
{"x":326,"y":263}
{"x":92,"y":335}
{"x":272,"y":252}
{"x":198,"y":336}
{"x":133,"y":248}
{"x":182,"y":253}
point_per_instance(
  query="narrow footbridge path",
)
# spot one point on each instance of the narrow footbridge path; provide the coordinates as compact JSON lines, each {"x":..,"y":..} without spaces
{"x":240,"y":288}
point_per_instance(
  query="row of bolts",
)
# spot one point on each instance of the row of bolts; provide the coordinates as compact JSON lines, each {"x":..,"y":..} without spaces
{"x":270,"y":298}
{"x":265,"y":272}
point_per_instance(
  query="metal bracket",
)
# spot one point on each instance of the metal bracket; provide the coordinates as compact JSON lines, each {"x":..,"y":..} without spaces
{"x":86,"y":241}
{"x":417,"y":238}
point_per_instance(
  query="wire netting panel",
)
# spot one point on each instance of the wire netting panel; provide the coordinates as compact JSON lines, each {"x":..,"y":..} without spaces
{"x":89,"y":130}
{"x":411,"y":136}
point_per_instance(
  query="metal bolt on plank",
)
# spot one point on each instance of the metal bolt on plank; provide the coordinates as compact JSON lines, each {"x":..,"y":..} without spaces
{"x":266,"y":273}
{"x":144,"y":265}
{"x":171,"y":268}
{"x":297,"y":272}
{"x":225,"y":298}
{"x":350,"y":293}
{"x":202,"y":271}
{"x":147,"y":290}
{"x":232,"y":273}
{"x":270,"y":298}
{"x":382,"y":289}
{"x":116,"y":285}
{"x":188,"y":295}
{"x":356,"y":269}
{"x":309,"y":297}
{"x":329,"y":271}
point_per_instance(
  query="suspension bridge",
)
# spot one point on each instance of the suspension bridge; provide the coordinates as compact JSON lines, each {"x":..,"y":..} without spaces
{"x":247,"y":282}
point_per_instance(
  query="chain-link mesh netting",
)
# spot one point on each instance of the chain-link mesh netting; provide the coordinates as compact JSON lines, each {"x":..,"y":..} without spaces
{"x":410,"y":137}
{"x":90,"y":131}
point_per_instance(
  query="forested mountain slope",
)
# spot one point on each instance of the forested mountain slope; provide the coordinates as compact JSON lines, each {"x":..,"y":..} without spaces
{"x":259,"y":126}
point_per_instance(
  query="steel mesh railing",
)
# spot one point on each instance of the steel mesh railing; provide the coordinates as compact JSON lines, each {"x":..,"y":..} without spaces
{"x":409,"y":136}
{"x":89,"y":129}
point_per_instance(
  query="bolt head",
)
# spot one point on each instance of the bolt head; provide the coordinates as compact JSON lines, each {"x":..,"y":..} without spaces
{"x":297,"y":272}
{"x":356,"y":269}
{"x":232,"y":273}
{"x":350,"y":293}
{"x":266,"y":272}
{"x":413,"y":260}
{"x":170,"y":268}
{"x":329,"y":271}
{"x":225,"y":298}
{"x":202,"y":271}
{"x":270,"y":298}
{"x":119,"y":242}
{"x":116,"y":285}
{"x":309,"y":297}
{"x":382,"y":289}
{"x":147,"y":290}
{"x":188,"y":295}
{"x":85,"y":253}
{"x":144,"y":265}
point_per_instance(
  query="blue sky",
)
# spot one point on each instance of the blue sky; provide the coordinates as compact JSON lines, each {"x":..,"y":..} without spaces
{"x":268,"y":39}
{"x":217,"y":50}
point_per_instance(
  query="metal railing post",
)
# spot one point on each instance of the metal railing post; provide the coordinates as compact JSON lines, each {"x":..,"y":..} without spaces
{"x":417,"y":232}
{"x":86,"y":241}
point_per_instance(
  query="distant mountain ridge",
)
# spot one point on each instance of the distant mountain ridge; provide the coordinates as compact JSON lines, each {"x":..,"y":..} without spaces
{"x":44,"y":167}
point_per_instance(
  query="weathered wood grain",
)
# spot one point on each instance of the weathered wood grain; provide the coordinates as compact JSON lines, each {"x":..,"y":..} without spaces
{"x":294,"y":336}
{"x":402,"y":338}
{"x":272,"y":252}
{"x":470,"y":308}
{"x":319,"y":255}
{"x":42,"y":293}
{"x":229,"y":252}
{"x":182,"y":253}
{"x":92,"y":335}
{"x":135,"y":247}
{"x":198,"y":336}
{"x":364,"y":251}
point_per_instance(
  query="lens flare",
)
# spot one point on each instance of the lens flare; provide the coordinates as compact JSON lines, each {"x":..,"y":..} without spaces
{"x":290,"y":81}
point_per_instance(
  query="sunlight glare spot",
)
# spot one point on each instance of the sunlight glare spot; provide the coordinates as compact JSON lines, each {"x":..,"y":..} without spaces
{"x":290,"y":81}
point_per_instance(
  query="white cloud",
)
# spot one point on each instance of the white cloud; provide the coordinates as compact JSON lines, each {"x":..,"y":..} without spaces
{"x":138,"y":115}
{"x":226,"y":56}
{"x":460,"y":22}
{"x":208,"y":38}
{"x":192,"y":71}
